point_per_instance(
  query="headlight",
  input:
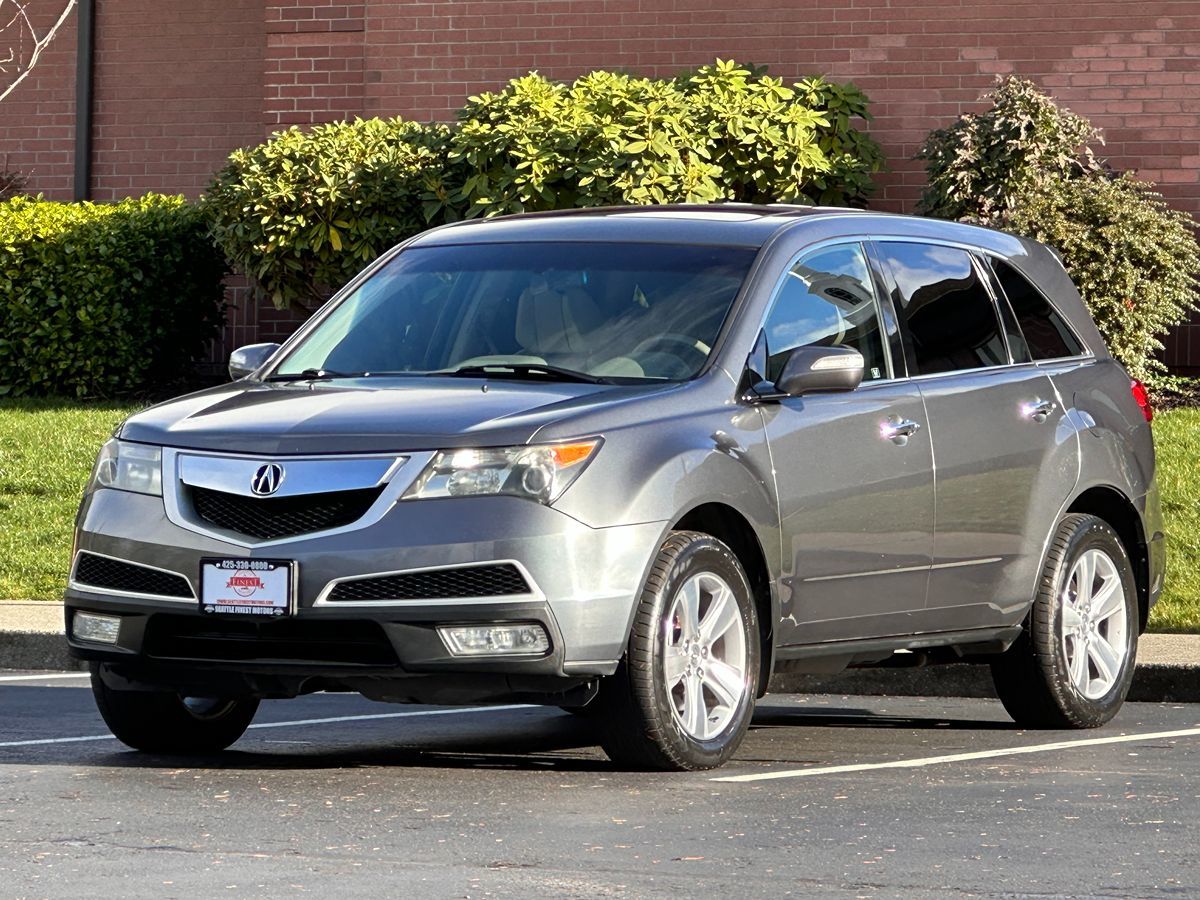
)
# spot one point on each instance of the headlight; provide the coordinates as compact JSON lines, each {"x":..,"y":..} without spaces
{"x":128,"y":467}
{"x":538,"y":472}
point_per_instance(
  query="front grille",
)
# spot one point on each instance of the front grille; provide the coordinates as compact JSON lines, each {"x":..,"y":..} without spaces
{"x":221,"y":639}
{"x":267,"y":518}
{"x":115,"y":575}
{"x":439,"y":584}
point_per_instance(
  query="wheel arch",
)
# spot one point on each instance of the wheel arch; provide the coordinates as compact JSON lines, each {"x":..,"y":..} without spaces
{"x":729,"y":526}
{"x":1111,"y":505}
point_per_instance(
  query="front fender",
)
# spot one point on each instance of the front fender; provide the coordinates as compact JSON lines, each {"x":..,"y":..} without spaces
{"x":661,"y":473}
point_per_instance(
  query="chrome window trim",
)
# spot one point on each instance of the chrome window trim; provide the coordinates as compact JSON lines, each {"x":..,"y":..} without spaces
{"x":396,"y":483}
{"x":1037,"y":364}
{"x":75,"y":585}
{"x":534,"y":594}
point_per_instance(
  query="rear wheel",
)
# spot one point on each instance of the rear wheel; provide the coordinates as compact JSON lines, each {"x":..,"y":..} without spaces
{"x":683,"y":696}
{"x":1073,"y":664}
{"x":165,"y":722}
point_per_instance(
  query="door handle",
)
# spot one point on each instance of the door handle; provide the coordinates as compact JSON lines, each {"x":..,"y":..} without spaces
{"x":1039,"y":410}
{"x":898,"y":430}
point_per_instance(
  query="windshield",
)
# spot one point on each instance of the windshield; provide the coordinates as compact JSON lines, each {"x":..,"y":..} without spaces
{"x":607,"y":311}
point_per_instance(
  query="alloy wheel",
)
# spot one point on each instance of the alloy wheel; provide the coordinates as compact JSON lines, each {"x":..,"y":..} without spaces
{"x":704,"y":658}
{"x":1094,"y":629}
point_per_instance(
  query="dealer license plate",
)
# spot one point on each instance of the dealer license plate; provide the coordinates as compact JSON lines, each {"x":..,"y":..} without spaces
{"x":246,"y":587}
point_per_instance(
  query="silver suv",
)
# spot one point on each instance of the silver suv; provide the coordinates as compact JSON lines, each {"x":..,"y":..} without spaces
{"x":630,"y":462}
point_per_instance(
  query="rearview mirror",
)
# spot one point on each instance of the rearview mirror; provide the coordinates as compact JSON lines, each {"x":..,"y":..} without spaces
{"x":245,"y":360}
{"x":811,"y":370}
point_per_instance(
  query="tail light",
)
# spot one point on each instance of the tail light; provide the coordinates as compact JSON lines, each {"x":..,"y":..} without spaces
{"x":1142,"y":396}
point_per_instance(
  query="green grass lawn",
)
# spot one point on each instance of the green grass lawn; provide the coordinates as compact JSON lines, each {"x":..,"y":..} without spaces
{"x":47,"y":449}
{"x":1177,"y":439}
{"x":46,"y":453}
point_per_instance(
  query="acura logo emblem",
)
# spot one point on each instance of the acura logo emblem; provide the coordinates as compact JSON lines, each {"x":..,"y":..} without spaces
{"x":267,"y":479}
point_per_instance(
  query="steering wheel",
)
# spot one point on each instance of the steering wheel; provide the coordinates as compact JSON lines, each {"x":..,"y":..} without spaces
{"x":689,"y":344}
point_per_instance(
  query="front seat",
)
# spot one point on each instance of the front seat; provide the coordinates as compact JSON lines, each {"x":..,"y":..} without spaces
{"x":555,"y":321}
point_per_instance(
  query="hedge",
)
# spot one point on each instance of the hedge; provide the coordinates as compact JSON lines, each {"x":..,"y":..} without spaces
{"x":305,"y":211}
{"x":104,"y":299}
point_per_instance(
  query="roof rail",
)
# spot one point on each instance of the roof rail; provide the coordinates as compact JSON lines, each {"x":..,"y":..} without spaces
{"x":764,"y":209}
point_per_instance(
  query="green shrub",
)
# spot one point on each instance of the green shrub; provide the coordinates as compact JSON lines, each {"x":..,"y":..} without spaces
{"x":1133,"y":258}
{"x":305,"y":211}
{"x":1025,"y":166}
{"x":102,"y":299}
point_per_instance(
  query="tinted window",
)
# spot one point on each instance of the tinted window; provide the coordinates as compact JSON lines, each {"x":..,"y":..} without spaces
{"x":827,"y":300}
{"x":949,"y":314}
{"x":617,"y":311}
{"x":1045,"y":332}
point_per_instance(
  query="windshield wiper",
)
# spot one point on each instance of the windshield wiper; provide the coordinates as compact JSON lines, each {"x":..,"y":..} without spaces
{"x":524,"y":370}
{"x":315,"y":375}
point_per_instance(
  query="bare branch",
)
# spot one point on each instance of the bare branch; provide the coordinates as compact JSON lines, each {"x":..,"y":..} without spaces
{"x":20,"y":19}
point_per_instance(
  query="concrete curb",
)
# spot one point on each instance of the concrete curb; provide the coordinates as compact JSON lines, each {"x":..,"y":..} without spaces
{"x":36,"y":650}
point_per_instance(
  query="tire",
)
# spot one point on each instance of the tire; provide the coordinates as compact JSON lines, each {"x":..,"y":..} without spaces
{"x":164,"y":722}
{"x":694,"y":714}
{"x":1073,"y":663}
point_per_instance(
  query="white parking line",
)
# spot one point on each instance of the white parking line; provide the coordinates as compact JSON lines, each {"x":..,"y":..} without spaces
{"x":960,"y":757}
{"x":44,"y":677}
{"x":326,"y":721}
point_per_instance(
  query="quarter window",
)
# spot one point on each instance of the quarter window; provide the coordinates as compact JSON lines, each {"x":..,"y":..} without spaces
{"x":1045,"y":332}
{"x":827,"y":300}
{"x":947,"y":310}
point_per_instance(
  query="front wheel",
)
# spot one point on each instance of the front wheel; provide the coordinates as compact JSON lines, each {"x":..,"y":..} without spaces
{"x":1073,"y":664}
{"x":683,"y":696}
{"x":165,"y":722}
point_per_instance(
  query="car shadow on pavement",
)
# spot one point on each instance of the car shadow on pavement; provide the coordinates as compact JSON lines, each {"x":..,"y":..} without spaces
{"x":833,"y":717}
{"x":559,"y":742}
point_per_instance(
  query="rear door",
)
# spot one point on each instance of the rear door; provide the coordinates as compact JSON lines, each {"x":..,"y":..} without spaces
{"x":994,"y":423}
{"x":853,"y":470}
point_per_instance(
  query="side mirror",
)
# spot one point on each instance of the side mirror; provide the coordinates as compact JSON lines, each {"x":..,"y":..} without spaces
{"x":245,"y":360}
{"x":811,"y":370}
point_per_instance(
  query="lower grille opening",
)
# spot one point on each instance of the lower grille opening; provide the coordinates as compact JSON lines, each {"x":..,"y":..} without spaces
{"x":344,"y":643}
{"x":268,"y":518}
{"x":118,"y":575}
{"x":499,"y":580}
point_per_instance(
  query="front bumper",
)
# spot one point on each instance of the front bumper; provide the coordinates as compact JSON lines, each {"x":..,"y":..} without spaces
{"x":584,"y":583}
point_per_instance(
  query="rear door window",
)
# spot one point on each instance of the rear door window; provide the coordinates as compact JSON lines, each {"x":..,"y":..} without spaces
{"x":945,"y":307}
{"x":827,"y":299}
{"x":1045,"y":332}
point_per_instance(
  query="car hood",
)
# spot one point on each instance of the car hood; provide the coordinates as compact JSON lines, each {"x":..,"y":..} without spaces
{"x":370,"y":416}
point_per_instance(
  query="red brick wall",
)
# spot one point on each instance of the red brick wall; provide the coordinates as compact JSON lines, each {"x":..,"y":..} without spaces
{"x":181,"y":84}
{"x":37,"y":120}
{"x":177,"y":87}
{"x":314,"y":67}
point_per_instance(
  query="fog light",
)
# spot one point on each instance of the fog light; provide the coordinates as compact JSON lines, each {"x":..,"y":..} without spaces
{"x":494,"y":640}
{"x":91,"y":627}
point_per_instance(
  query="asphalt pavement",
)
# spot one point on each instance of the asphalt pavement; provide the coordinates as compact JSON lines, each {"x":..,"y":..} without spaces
{"x":332,"y":795}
